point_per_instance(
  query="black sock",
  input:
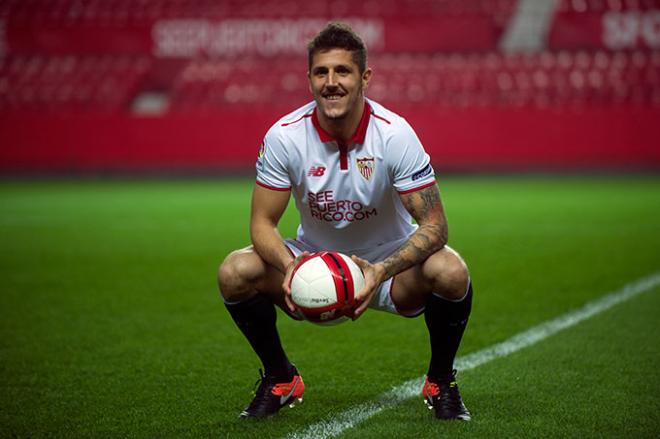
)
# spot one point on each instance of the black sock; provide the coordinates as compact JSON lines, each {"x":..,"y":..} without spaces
{"x":256,"y":318}
{"x":446,"y":321}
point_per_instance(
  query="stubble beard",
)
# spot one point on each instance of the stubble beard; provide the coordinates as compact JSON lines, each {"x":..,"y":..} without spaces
{"x":331,"y":114}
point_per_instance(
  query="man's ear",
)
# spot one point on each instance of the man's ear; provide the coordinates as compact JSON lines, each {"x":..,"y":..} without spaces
{"x":366,"y":77}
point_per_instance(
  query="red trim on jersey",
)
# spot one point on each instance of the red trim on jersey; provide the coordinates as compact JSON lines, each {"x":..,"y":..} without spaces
{"x":286,"y":124}
{"x":343,"y":156}
{"x":358,"y":137}
{"x":323,"y":135}
{"x":417,"y":188}
{"x":360,"y":132}
{"x":381,"y":118}
{"x":273,"y":188}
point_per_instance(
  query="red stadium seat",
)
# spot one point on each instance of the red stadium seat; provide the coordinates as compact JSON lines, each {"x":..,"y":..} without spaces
{"x":108,"y":81}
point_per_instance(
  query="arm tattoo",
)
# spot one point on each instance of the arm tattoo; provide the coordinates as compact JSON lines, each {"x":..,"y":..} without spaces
{"x":425,"y":206}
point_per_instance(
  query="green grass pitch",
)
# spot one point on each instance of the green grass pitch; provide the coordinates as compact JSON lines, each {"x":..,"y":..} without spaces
{"x":111,"y":324}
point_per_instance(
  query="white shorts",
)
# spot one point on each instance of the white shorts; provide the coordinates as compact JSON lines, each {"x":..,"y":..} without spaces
{"x":382,"y":300}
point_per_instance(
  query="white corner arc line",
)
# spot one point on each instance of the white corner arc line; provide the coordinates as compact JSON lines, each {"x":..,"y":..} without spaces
{"x":334,"y":426}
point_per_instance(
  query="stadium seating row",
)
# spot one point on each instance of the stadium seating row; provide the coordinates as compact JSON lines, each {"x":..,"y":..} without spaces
{"x":108,"y":83}
{"x":544,"y":79}
{"x":99,"y":83}
{"x":599,"y":6}
{"x":121,"y":10}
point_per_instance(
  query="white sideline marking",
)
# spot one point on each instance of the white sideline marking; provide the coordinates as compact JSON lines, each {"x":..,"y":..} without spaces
{"x":336,"y":425}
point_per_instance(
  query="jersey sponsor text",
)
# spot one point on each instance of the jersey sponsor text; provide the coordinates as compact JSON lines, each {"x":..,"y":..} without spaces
{"x":324,"y":207}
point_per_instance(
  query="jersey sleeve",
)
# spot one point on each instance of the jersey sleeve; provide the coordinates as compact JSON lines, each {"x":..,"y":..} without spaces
{"x":272,"y":163}
{"x":410,"y":166}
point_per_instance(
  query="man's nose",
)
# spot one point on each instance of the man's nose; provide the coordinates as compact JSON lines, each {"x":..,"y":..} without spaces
{"x":331,"y":79}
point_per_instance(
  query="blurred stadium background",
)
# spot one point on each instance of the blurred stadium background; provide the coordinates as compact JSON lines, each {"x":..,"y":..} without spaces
{"x":94,"y":86}
{"x":110,"y":320}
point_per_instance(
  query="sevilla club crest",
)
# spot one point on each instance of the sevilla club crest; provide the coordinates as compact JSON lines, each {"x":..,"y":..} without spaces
{"x":366,"y":166}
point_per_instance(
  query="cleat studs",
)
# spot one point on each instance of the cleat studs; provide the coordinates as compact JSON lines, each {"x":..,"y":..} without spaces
{"x":295,"y":402}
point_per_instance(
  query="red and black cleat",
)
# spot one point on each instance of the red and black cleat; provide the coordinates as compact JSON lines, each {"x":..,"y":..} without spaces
{"x":271,"y":396}
{"x":444,"y":398}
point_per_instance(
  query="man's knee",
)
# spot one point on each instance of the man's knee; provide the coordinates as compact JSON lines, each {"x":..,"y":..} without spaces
{"x":235,"y":277}
{"x":448,"y":273}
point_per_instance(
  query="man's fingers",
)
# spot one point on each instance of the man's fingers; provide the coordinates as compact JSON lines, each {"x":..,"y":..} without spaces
{"x":298,"y":259}
{"x":289,"y":303}
{"x":360,"y":309}
{"x":360,"y":262}
{"x":363,"y":298}
{"x":286,"y":284}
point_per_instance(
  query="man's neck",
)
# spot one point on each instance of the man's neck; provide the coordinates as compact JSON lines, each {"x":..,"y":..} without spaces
{"x":342,"y":129}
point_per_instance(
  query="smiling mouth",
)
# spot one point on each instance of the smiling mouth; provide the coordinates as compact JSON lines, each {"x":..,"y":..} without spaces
{"x":333,"y":96}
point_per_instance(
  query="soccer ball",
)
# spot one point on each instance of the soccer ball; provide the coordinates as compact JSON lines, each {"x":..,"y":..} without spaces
{"x":323,"y":287}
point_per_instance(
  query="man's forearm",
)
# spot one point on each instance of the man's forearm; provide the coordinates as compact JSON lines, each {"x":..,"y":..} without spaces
{"x":425,"y":206}
{"x":426,"y":240}
{"x":269,"y":245}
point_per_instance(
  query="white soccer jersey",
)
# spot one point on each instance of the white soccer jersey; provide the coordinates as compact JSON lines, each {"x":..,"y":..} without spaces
{"x":348,"y":197}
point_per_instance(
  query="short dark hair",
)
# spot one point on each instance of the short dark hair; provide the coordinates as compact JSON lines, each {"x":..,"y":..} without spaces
{"x":337,"y":35}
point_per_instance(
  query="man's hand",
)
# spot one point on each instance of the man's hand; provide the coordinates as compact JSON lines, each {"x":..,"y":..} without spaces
{"x":374,"y":275}
{"x":286,"y":284}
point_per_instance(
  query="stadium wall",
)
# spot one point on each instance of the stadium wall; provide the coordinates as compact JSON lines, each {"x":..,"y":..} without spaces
{"x":621,"y":138}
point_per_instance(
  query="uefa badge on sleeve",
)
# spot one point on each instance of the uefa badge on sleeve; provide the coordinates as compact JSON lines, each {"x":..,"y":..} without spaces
{"x":260,"y":156}
{"x":366,"y":166}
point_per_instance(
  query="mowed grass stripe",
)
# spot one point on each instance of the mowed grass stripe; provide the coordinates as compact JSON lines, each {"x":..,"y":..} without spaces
{"x":597,"y":379}
{"x":336,"y":425}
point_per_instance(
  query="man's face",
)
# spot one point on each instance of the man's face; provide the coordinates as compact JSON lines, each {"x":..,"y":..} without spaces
{"x":336,"y":83}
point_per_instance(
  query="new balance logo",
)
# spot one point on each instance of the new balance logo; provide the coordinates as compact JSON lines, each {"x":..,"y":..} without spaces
{"x":316,"y":171}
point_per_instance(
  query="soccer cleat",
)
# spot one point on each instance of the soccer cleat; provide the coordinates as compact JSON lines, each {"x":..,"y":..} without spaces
{"x":443,"y":397}
{"x":271,"y":396}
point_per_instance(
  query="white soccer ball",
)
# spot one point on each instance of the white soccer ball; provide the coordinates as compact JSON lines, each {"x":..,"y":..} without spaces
{"x":323,"y":287}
